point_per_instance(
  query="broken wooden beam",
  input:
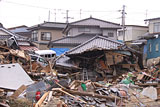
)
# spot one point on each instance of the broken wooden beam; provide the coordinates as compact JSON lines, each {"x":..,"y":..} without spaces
{"x":40,"y":101}
{"x":91,"y":94}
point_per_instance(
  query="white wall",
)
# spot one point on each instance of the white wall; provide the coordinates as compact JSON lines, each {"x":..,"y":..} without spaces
{"x":151,"y":25}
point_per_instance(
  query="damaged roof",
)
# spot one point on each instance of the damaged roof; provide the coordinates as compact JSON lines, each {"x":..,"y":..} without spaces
{"x":96,"y":43}
{"x":64,"y":61}
{"x":12,"y":76}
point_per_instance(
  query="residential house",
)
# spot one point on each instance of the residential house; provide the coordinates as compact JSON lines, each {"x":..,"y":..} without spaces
{"x":80,"y":31}
{"x":132,"y":32}
{"x":92,"y":25}
{"x":153,"y":41}
{"x":21,"y":30}
{"x":43,"y":33}
{"x":15,"y":41}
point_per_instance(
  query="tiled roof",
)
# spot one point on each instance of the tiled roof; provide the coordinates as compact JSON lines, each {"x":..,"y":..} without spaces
{"x":3,"y":37}
{"x":74,"y":40}
{"x":49,"y":25}
{"x":29,"y":48}
{"x":96,"y":22}
{"x":96,"y":43}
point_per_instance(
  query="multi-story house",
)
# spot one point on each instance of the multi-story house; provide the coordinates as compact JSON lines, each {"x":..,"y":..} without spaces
{"x":94,"y":26}
{"x":80,"y":31}
{"x":132,"y":32}
{"x":153,"y":41}
{"x":21,"y":30}
{"x":43,"y":33}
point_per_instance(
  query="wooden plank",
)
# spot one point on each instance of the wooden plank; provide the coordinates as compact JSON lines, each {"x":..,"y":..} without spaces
{"x":92,"y":94}
{"x":126,"y":66}
{"x":18,"y":91}
{"x":109,"y":59}
{"x":40,"y":101}
{"x":72,"y":95}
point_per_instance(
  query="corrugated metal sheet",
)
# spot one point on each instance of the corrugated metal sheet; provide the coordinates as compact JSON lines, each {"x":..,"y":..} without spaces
{"x":12,"y":76}
{"x":98,"y":42}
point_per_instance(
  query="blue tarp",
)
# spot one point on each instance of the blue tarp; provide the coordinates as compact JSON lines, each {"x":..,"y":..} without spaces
{"x":59,"y":51}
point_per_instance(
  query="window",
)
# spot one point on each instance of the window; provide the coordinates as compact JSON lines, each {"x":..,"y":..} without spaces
{"x":120,"y":33}
{"x":156,"y":27}
{"x":46,"y":36}
{"x":157,"y":47}
{"x":34,"y":58}
{"x":83,"y":29}
{"x":110,"y":34}
{"x":34,"y":36}
{"x":150,"y":47}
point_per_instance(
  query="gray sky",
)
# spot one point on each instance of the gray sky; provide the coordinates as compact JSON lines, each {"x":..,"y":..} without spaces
{"x":31,"y":12}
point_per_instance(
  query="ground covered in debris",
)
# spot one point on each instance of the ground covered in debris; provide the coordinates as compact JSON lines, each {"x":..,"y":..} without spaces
{"x":91,"y":77}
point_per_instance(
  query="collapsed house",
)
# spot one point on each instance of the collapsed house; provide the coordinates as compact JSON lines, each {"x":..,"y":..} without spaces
{"x":98,"y":57}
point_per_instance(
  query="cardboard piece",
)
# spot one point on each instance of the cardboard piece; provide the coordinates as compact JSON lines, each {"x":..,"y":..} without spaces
{"x":18,"y":91}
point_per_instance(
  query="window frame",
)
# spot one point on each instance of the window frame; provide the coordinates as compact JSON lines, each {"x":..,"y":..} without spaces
{"x":45,"y":38}
{"x":150,"y":47}
{"x":110,"y":33}
{"x":34,"y":36}
{"x":84,"y":29}
{"x":156,"y":27}
{"x":157,"y":47}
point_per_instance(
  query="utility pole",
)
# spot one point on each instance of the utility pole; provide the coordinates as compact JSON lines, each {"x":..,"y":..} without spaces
{"x":67,"y":21}
{"x":55,"y":15}
{"x":123,"y":22}
{"x":67,"y":16}
{"x":49,"y":16}
{"x":146,"y":16}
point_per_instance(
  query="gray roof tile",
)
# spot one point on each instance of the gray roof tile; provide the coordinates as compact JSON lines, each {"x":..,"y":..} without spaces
{"x":49,"y":25}
{"x":73,"y":39}
{"x":96,"y":22}
{"x":96,"y":43}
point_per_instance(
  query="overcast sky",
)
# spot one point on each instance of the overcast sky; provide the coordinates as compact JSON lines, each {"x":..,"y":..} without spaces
{"x":31,"y":12}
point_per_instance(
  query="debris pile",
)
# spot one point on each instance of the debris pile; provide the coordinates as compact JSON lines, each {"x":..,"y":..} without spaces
{"x":87,"y":75}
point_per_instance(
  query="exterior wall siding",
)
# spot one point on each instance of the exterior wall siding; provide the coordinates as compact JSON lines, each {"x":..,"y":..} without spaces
{"x":132,"y":33}
{"x":106,"y":31}
{"x":75,"y":31}
{"x":153,"y":53}
{"x":56,"y":34}
{"x":138,"y":32}
{"x":151,"y":25}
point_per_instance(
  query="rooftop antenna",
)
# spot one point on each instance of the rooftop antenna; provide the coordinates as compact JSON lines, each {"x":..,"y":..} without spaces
{"x":80,"y":13}
{"x":123,"y":21}
{"x":55,"y":15}
{"x":49,"y":16}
